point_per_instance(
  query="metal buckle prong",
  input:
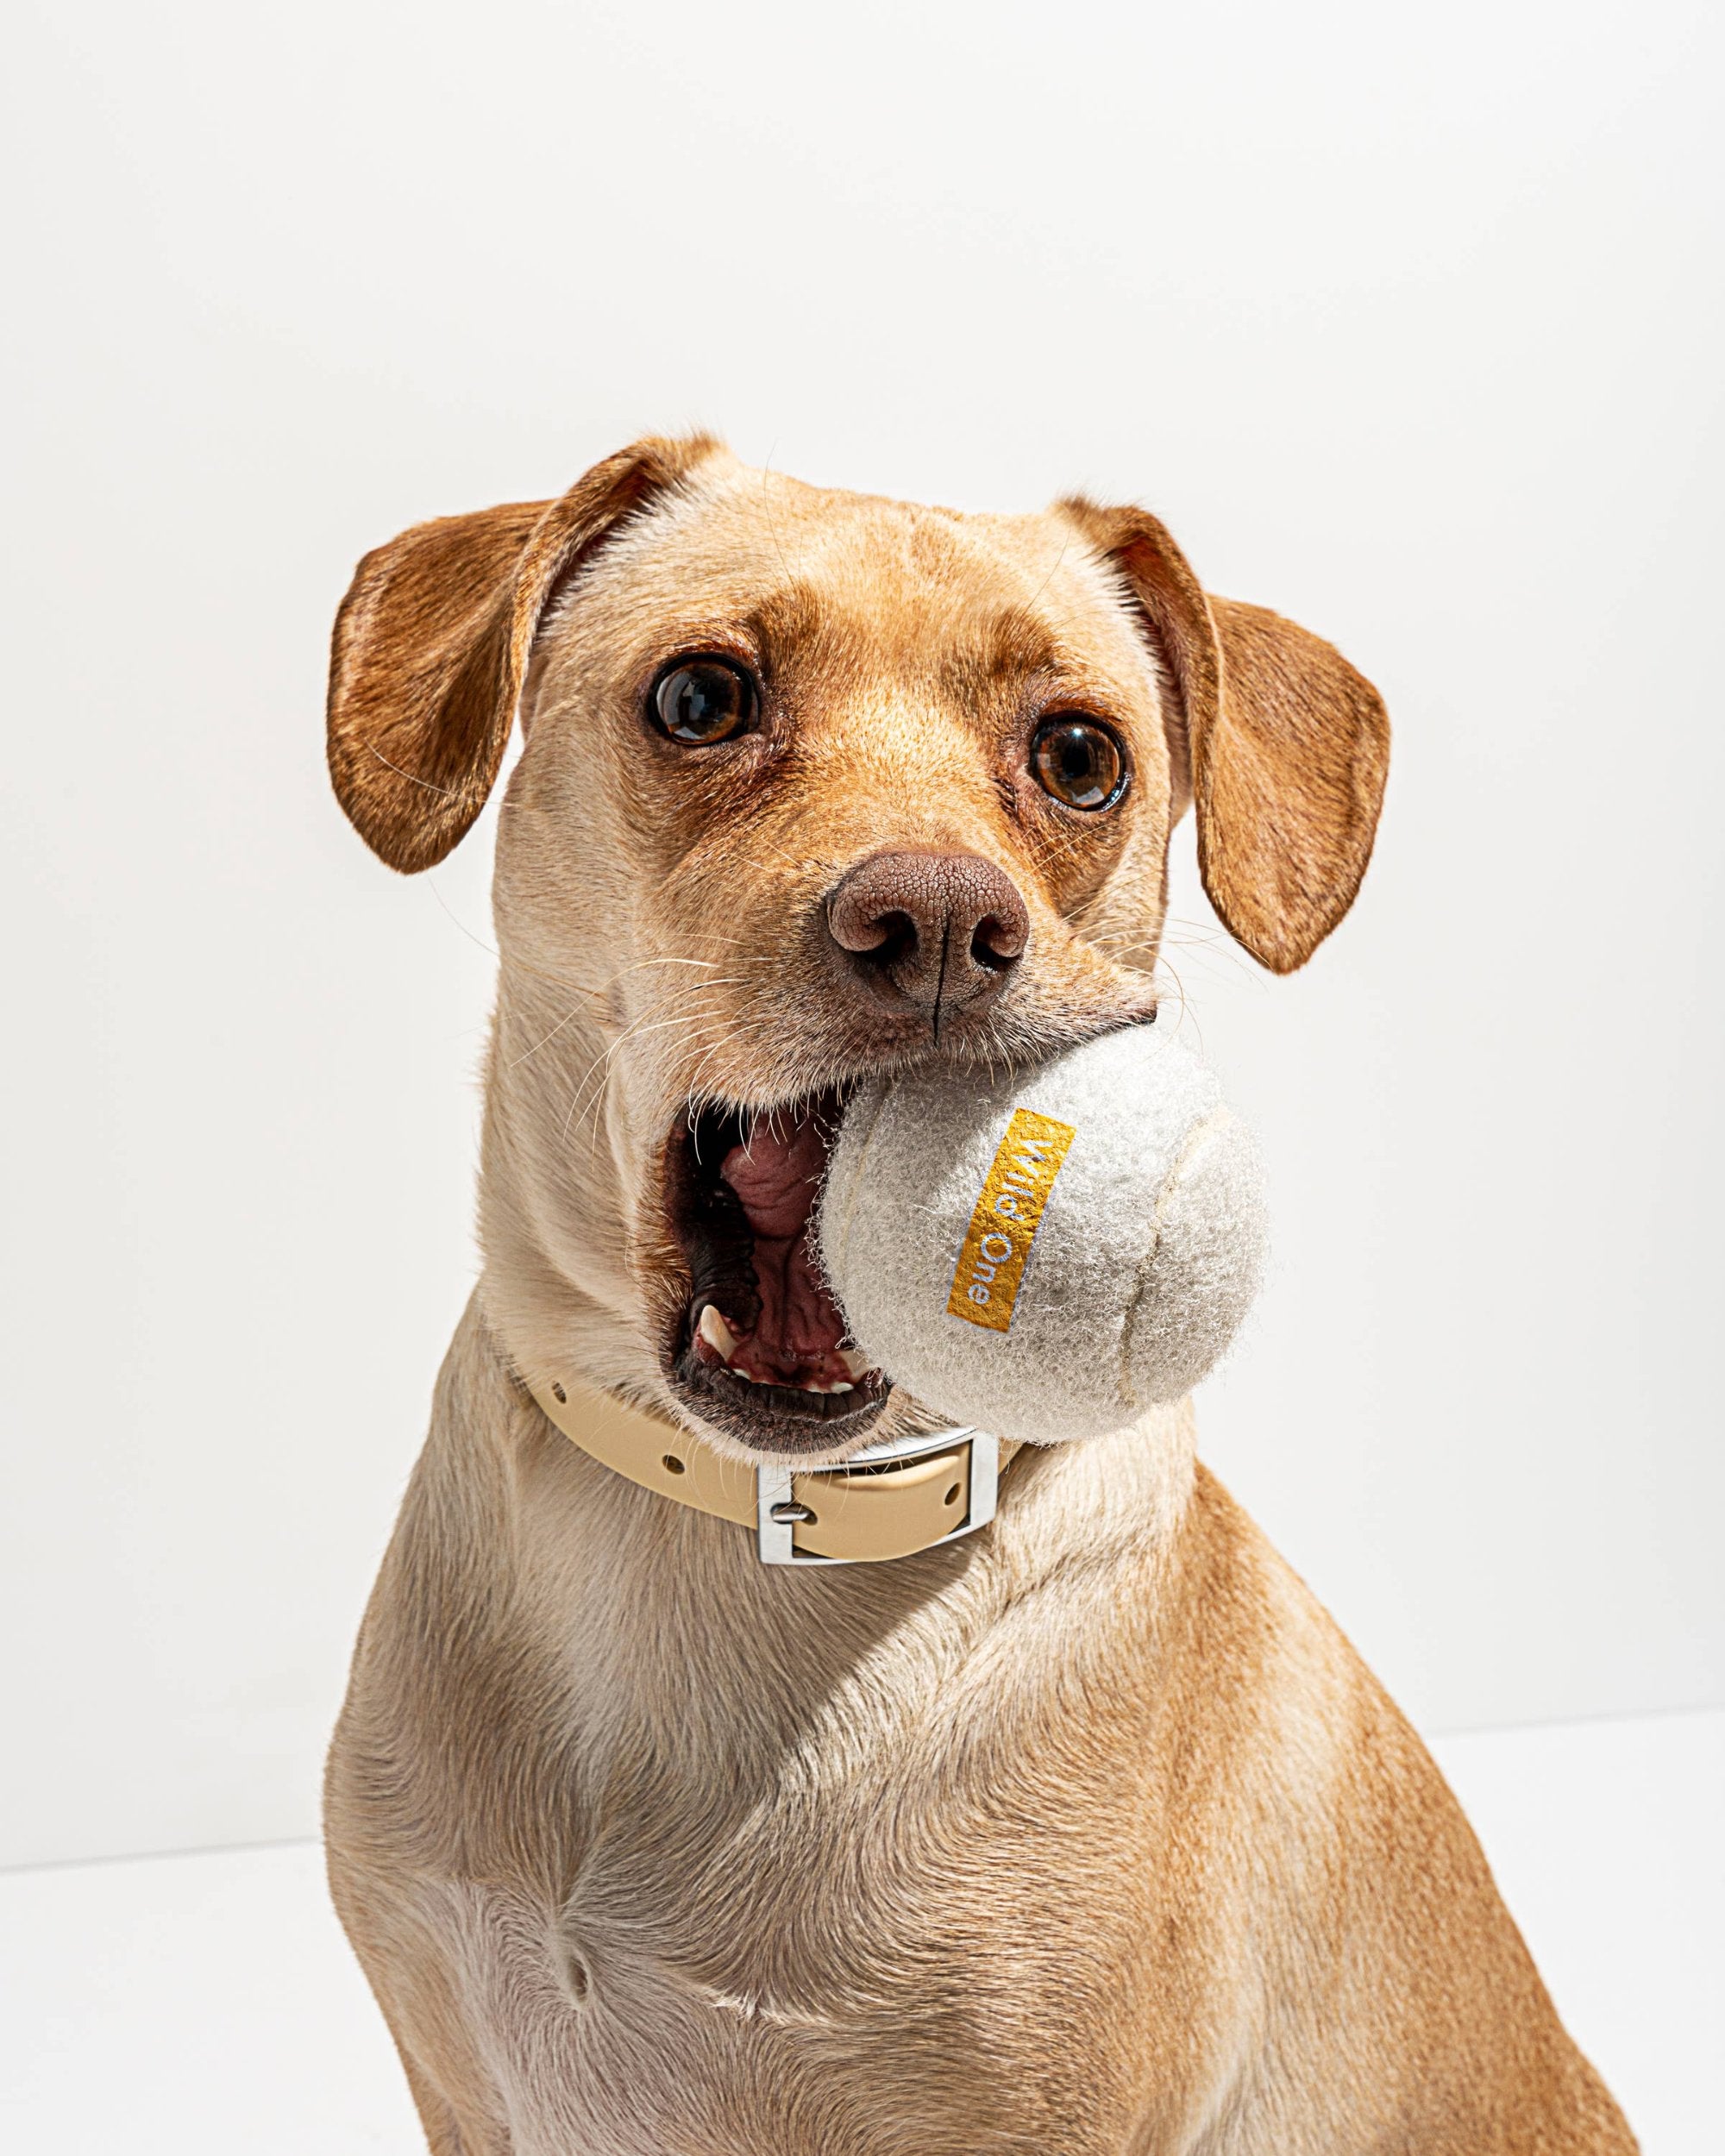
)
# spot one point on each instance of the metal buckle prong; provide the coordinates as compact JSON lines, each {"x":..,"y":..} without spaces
{"x":778,"y":1514}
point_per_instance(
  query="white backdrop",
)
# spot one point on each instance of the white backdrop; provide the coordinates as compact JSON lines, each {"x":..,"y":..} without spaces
{"x":1408,"y":323}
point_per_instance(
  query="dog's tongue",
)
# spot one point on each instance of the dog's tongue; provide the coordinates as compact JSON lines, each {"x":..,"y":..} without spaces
{"x":776,"y":1174}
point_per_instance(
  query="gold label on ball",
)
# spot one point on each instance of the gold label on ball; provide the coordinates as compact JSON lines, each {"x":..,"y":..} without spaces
{"x":1002,"y":1228}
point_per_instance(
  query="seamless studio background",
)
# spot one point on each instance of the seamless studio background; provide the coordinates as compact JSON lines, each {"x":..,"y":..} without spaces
{"x":1409,"y":327}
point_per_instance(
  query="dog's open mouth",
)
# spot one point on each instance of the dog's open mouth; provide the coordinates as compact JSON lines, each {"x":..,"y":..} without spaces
{"x":762,"y":1349}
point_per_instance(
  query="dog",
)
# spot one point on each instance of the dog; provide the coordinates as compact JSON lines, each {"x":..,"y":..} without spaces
{"x":1084,"y":1832}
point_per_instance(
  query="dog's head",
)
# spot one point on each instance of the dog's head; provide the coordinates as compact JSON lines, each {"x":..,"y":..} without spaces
{"x":812,"y":784}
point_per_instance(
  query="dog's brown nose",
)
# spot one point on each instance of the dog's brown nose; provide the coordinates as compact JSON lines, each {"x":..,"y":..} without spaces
{"x":936,"y":933}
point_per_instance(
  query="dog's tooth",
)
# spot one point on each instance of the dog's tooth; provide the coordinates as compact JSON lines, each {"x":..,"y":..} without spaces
{"x":838,"y":1385}
{"x":718,"y":1335}
{"x":856,"y":1362}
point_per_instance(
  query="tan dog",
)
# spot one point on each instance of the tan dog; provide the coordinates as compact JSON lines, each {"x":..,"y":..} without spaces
{"x":1084,"y":1833}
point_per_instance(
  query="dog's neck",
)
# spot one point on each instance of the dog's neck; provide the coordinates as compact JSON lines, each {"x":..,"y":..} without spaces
{"x":1056,"y":1505}
{"x":579,"y":1530}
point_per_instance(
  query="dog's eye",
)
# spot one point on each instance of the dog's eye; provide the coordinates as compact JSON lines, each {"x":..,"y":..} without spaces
{"x":701,"y":701}
{"x":1078,"y":762}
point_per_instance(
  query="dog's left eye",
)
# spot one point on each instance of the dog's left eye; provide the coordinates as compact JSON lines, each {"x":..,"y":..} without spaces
{"x":703,"y":700}
{"x":1078,"y":762}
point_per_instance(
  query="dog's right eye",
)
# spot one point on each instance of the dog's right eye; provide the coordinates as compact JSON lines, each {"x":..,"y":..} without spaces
{"x":701,"y":701}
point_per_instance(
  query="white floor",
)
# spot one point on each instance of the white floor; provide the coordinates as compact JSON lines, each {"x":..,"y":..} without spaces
{"x":207,"y":2005}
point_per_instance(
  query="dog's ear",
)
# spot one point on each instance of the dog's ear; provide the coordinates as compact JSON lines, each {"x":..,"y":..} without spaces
{"x":1284,"y":747}
{"x":432,"y":641}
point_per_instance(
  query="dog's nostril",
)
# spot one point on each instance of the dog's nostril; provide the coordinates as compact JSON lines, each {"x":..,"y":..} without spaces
{"x":997,"y":945}
{"x":896,"y":939}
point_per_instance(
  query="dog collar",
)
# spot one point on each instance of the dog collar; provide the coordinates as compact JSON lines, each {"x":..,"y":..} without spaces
{"x":889,"y":1501}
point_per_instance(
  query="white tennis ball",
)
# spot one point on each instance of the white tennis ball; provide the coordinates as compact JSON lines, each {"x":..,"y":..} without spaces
{"x":1047,"y":1255}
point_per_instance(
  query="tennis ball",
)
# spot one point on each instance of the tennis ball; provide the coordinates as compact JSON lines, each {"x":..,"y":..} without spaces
{"x":1047,"y":1255}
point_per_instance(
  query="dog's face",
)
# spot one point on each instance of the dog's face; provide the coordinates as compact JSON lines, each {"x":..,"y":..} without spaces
{"x":812,"y":784}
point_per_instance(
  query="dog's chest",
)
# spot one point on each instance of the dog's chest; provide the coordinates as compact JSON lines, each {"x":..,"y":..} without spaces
{"x":888,"y":1914}
{"x":889,"y":1983}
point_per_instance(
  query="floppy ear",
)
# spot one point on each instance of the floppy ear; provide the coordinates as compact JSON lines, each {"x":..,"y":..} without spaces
{"x":1286,"y":747}
{"x":432,"y":641}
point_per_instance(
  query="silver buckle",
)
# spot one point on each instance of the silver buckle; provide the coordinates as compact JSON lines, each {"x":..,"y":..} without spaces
{"x":778,"y":1514}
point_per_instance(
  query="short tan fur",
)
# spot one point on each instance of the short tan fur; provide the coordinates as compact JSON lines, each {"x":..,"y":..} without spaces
{"x":1089,"y":1833}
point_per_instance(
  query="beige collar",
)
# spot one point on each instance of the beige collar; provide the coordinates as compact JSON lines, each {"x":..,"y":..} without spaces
{"x":889,"y":1501}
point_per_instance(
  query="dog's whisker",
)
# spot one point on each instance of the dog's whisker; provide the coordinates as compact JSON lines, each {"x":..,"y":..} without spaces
{"x":698,"y":1034}
{"x":601,"y":1063}
{"x":431,"y":884}
{"x":544,"y":1040}
{"x":505,"y":959}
